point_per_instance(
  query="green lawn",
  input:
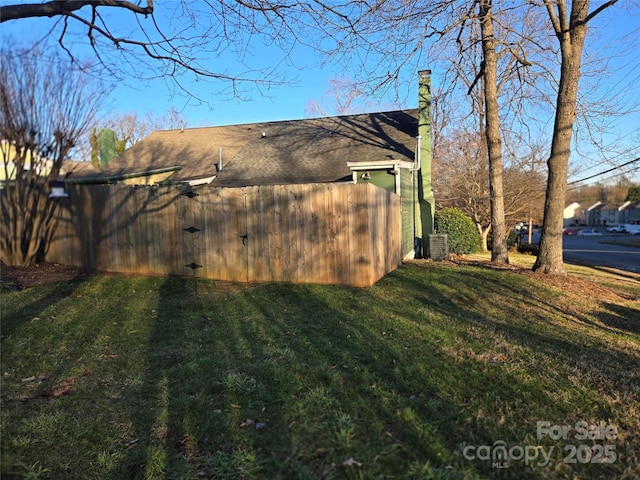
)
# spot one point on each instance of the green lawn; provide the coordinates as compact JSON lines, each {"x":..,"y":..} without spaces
{"x":420,"y":376}
{"x":627,"y":240}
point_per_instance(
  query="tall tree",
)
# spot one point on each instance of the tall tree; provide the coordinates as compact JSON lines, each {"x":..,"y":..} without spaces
{"x":46,"y":108}
{"x":489,"y":71}
{"x":570,"y":28}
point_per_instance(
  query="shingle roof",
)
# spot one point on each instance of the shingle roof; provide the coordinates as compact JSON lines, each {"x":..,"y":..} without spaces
{"x":73,"y":168}
{"x":294,"y":151}
{"x":610,"y":206}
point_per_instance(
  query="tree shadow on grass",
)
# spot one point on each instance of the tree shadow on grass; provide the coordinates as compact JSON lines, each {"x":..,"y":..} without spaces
{"x":397,"y":393}
{"x":159,"y":411}
{"x":350,"y":390}
{"x":621,"y":317}
{"x":333,"y":374}
{"x":36,"y":308}
{"x":49,"y":295}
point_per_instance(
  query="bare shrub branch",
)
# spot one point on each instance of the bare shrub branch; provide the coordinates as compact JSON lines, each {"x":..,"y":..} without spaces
{"x":46,"y":108}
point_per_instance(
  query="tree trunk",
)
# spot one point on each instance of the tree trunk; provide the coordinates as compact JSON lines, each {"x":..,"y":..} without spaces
{"x":499,"y":251}
{"x":571,"y":36}
{"x":484,"y":234}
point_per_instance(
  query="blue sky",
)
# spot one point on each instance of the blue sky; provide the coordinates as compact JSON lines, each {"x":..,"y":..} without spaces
{"x":309,"y":80}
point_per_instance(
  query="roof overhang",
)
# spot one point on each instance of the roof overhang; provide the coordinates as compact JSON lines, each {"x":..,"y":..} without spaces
{"x":202,"y":181}
{"x":379,"y":165}
{"x":120,"y":177}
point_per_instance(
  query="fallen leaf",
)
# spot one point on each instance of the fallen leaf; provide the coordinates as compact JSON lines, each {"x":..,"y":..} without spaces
{"x":63,"y":388}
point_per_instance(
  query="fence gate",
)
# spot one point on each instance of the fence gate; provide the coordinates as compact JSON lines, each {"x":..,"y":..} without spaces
{"x":213,"y":224}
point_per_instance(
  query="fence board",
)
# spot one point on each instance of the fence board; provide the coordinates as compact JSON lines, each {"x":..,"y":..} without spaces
{"x":321,"y":233}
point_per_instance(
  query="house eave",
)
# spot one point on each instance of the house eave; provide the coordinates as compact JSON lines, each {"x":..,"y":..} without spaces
{"x":379,"y":165}
{"x":121,"y":177}
{"x":189,"y":182}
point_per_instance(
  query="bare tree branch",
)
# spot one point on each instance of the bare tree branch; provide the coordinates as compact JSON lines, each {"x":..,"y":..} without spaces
{"x":56,"y":8}
{"x":46,"y":108}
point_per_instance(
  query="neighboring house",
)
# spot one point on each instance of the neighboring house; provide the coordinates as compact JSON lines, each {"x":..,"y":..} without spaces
{"x":631,"y":213}
{"x":610,"y":214}
{"x":571,"y":215}
{"x":389,"y":149}
{"x":593,"y":214}
{"x":613,"y":213}
{"x":8,"y":167}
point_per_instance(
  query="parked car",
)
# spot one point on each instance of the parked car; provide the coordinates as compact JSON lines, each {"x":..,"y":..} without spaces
{"x":570,"y":231}
{"x":616,"y":229}
{"x":591,"y":232}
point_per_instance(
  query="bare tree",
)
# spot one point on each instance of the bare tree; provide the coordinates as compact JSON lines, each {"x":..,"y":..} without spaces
{"x":344,"y":96}
{"x":490,"y":63}
{"x":534,"y":67}
{"x":461,"y":180}
{"x":46,"y":107}
{"x":130,"y":127}
{"x":489,"y":71}
{"x":190,"y":43}
{"x":570,"y":28}
{"x":151,"y":49}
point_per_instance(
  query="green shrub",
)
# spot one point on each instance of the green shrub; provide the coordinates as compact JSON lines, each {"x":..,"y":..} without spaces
{"x":463,"y":234}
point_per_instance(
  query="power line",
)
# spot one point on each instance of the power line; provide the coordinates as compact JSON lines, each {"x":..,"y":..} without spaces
{"x":606,"y":171}
{"x":577,"y":187}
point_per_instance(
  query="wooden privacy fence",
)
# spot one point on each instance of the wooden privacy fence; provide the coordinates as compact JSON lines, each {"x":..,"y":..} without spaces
{"x":319,"y":233}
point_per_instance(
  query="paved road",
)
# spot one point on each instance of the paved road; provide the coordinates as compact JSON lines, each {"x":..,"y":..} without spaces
{"x":590,"y":251}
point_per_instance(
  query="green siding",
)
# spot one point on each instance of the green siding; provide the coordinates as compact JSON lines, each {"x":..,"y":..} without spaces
{"x":381,"y":178}
{"x":409,"y":195}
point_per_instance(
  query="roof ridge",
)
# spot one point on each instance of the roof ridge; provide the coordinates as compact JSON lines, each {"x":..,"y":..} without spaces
{"x":273,"y":122}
